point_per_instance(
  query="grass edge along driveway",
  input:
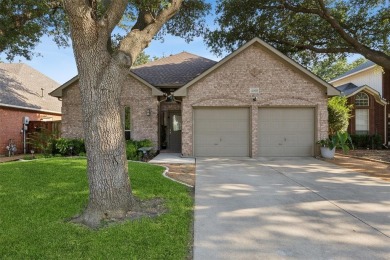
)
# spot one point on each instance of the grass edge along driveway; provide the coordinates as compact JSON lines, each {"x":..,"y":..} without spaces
{"x":37,"y":197}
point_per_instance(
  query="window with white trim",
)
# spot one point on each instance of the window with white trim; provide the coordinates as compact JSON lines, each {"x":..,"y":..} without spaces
{"x":361,"y":99}
{"x":362,"y":122}
{"x":127,"y":122}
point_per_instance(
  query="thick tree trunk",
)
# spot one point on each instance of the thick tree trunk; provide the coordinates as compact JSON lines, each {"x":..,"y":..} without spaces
{"x":101,"y":77}
{"x":100,"y":85}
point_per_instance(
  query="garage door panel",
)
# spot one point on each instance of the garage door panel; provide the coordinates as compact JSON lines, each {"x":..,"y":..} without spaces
{"x":286,"y":131}
{"x":221,"y":132}
{"x":287,"y":151}
{"x":217,"y":151}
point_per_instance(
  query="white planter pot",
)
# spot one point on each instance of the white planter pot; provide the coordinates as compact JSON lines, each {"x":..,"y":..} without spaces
{"x":327,"y":153}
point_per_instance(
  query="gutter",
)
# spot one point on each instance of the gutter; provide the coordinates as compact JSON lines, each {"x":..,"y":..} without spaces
{"x":385,"y":126}
{"x":29,"y":108}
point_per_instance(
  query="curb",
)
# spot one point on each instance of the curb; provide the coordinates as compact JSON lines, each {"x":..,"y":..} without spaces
{"x":172,"y":179}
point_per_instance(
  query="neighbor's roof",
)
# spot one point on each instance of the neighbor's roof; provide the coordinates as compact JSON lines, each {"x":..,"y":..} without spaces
{"x":173,"y":71}
{"x":362,"y":67}
{"x":351,"y":89}
{"x":21,"y":87}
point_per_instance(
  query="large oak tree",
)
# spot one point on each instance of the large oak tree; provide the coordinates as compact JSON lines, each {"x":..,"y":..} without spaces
{"x":102,"y":73}
{"x":307,"y":29}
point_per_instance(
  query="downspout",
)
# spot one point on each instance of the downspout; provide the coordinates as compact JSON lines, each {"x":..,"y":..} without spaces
{"x":385,"y":126}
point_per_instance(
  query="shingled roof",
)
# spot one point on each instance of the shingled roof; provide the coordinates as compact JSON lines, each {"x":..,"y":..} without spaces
{"x":351,"y":89}
{"x":366,"y":65}
{"x":21,"y":87}
{"x":173,"y":71}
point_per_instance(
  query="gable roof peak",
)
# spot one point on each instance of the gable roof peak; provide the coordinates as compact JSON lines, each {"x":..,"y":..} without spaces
{"x":330,"y":90}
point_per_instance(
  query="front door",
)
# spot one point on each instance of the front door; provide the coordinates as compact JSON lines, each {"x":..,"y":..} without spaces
{"x":174,"y":131}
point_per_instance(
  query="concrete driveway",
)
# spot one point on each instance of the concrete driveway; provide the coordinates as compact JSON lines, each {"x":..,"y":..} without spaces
{"x":289,"y":208}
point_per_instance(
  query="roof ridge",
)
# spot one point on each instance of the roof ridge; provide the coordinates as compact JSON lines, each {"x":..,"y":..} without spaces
{"x":150,"y":63}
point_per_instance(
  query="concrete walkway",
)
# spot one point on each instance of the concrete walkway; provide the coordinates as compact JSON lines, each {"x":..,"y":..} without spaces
{"x":12,"y":158}
{"x":291,"y":208}
{"x":171,"y":158}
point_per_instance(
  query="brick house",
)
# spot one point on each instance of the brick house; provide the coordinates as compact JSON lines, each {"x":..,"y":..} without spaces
{"x":367,"y":89}
{"x":254,"y":102}
{"x":24,"y":93}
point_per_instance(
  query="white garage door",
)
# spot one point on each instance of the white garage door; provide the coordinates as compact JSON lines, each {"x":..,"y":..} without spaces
{"x":286,"y":132}
{"x":221,"y":132}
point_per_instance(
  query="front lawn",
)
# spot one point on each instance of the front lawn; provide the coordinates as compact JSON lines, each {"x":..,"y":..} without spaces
{"x":38,"y":197}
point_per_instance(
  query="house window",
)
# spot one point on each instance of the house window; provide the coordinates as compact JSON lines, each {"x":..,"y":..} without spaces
{"x":361,"y":99}
{"x":127,"y":123}
{"x":361,"y":116}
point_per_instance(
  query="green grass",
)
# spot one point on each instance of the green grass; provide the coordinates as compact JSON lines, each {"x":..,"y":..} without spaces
{"x":38,"y":197}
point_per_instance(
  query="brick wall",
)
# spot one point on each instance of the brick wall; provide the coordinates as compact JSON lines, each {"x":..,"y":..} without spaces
{"x":255,"y":67}
{"x":11,"y":125}
{"x":376,"y":117}
{"x":135,"y":95}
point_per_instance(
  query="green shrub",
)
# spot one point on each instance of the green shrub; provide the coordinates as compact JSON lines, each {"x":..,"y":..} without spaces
{"x":62,"y":145}
{"x":338,"y":114}
{"x":66,"y":146}
{"x":376,"y":141}
{"x":78,"y":146}
{"x":131,"y":150}
{"x":367,"y":141}
{"x":41,"y":141}
{"x":132,"y":147}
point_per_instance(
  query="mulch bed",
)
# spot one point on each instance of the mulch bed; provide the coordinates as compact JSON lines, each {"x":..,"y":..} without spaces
{"x":182,"y":172}
{"x":375,"y":163}
{"x":380,"y":155}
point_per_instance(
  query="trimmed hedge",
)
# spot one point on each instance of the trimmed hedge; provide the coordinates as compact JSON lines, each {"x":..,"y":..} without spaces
{"x":367,"y":141}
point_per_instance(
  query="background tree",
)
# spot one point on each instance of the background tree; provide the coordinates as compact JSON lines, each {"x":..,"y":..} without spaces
{"x":142,"y":58}
{"x":328,"y":69}
{"x":102,"y":72}
{"x":306,"y":30}
{"x":24,"y":22}
{"x":339,"y":113}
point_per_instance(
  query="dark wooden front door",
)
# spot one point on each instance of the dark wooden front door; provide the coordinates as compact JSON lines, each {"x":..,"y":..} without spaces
{"x":174,"y":132}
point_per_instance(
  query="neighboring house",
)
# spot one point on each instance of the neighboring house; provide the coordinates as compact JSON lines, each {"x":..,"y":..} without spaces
{"x":254,"y":102}
{"x":24,"y":93}
{"x":366,"y":89}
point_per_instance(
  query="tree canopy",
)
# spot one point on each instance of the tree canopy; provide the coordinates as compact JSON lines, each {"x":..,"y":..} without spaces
{"x":24,"y":22}
{"x":306,"y":30}
{"x":328,"y":69}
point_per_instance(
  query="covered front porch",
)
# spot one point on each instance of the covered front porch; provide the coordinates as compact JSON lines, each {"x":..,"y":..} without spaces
{"x":170,"y":124}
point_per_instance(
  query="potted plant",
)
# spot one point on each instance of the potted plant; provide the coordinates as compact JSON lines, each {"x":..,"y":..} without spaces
{"x":329,"y":145}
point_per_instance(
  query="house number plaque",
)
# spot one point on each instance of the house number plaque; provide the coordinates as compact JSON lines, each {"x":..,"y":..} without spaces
{"x":254,"y":90}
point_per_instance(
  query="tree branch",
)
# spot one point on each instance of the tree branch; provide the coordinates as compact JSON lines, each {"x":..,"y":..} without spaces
{"x":301,"y":47}
{"x":114,"y":14}
{"x":373,"y":55}
{"x":142,"y":33}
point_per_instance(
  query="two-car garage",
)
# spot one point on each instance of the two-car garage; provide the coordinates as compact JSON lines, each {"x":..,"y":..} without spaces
{"x":287,"y":131}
